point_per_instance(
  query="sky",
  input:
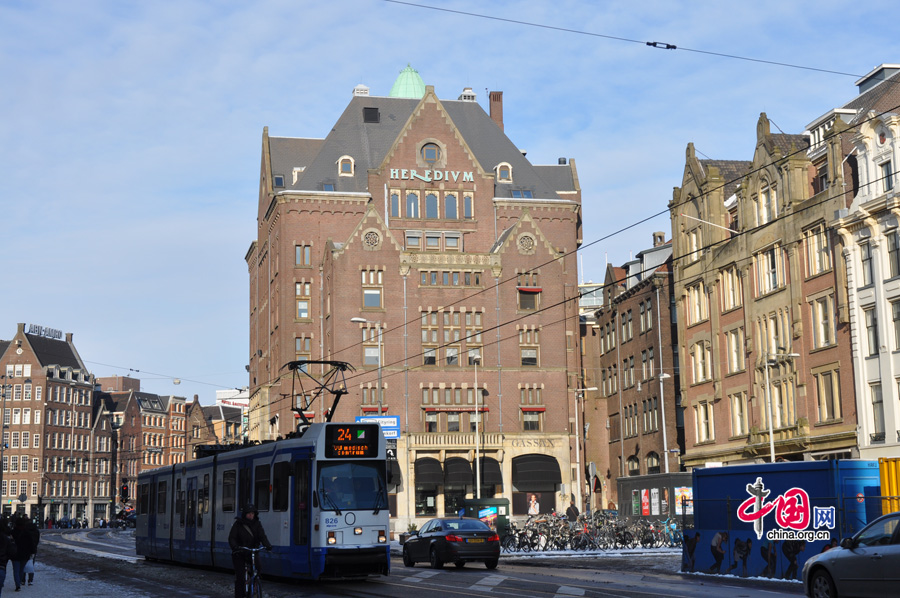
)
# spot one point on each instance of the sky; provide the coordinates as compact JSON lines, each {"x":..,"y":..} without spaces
{"x":130,"y":134}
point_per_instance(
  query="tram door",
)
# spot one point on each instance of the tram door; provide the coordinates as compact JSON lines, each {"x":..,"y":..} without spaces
{"x":301,"y":516}
{"x":190,"y":524}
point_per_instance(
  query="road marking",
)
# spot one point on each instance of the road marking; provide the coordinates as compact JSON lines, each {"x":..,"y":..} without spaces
{"x":568,"y":591}
{"x":422,"y":576}
{"x":487,"y":584}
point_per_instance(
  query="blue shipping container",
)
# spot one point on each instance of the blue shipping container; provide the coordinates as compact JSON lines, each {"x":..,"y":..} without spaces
{"x":765,"y":520}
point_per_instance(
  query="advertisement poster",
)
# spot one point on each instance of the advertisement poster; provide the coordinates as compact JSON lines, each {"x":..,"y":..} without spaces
{"x":645,"y":502}
{"x":654,"y":501}
{"x":532,"y":503}
{"x":684,"y":496}
{"x":489,"y":516}
{"x":635,"y":502}
{"x":665,"y":502}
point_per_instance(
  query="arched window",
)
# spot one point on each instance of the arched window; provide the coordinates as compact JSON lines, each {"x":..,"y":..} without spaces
{"x":395,"y":205}
{"x":451,"y":211}
{"x":431,"y":206}
{"x":412,"y":205}
{"x":634,"y":466}
{"x":504,"y":172}
{"x":652,"y":463}
{"x":346,"y":166}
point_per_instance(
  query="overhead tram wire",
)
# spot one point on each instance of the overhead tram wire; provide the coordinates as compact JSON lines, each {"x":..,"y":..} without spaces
{"x":657,"y":45}
{"x":734,"y":235}
{"x":579,"y":295}
{"x":668,"y":210}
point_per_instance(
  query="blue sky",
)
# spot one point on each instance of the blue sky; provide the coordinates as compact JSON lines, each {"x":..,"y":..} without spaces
{"x":130,"y":134}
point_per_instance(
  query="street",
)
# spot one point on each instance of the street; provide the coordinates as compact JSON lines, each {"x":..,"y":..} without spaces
{"x":83,"y":558}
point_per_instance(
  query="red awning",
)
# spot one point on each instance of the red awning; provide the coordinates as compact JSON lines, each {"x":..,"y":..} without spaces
{"x":533,"y":408}
{"x":529,"y":289}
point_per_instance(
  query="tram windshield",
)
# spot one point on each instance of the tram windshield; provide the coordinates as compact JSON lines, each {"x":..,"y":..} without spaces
{"x":348,"y":486}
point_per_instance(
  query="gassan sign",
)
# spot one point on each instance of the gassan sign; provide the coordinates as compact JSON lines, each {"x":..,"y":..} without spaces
{"x":796,"y":518}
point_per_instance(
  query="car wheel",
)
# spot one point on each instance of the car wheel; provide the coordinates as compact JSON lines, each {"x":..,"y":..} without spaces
{"x":491,"y":564}
{"x":407,"y":559}
{"x":821,"y":585}
{"x":436,"y":562}
{"x":460,"y":564}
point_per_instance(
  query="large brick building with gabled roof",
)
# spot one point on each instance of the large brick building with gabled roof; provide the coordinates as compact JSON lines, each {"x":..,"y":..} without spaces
{"x":421,"y":218}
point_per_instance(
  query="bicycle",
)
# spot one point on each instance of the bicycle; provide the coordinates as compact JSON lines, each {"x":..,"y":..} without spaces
{"x":252,"y":586}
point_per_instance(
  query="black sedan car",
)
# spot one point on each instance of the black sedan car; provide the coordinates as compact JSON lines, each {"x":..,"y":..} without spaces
{"x":866,"y":565}
{"x":456,"y":541}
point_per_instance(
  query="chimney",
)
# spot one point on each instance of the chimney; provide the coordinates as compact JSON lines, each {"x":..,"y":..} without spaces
{"x":659,"y":238}
{"x":497,"y":108}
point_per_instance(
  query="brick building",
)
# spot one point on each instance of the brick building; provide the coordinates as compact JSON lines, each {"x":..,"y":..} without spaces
{"x":636,"y":410}
{"x":56,"y":460}
{"x":762,"y":305}
{"x":419,"y":217}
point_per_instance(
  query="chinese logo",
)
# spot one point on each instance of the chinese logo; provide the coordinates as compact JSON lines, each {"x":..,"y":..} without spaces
{"x":792,"y":513}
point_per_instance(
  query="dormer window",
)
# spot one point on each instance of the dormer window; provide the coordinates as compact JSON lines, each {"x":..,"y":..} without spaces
{"x":504,"y":173}
{"x":431,"y":153}
{"x":278,"y":180}
{"x":327,"y":186}
{"x":523,"y":193}
{"x":346,"y":166}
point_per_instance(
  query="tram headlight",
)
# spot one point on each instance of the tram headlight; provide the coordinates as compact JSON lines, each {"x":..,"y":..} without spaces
{"x":382,"y":538}
{"x":357,"y":531}
{"x":331,"y":538}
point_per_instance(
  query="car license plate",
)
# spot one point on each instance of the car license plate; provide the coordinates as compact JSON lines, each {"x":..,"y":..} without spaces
{"x":475,"y":540}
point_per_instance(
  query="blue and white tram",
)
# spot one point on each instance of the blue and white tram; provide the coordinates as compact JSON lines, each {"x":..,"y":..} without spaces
{"x":322,"y":499}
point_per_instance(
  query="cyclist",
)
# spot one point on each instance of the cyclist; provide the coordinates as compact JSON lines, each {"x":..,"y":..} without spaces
{"x":247,"y":532}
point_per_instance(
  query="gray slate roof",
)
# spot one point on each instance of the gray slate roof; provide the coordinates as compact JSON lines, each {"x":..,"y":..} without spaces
{"x":368,"y":144}
{"x":731,"y":172}
{"x":54,"y":352}
{"x":881,"y":97}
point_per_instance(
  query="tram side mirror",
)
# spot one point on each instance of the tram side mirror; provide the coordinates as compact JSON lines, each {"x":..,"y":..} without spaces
{"x":390,"y":477}
{"x":847,"y":543}
{"x":315,"y":499}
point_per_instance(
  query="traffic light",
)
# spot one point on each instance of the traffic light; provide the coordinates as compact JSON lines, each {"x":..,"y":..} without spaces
{"x":124,"y":491}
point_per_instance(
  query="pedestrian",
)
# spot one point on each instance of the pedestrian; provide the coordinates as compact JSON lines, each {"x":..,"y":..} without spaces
{"x":247,"y":532}
{"x":7,"y":551}
{"x":572,"y":512}
{"x":35,"y":539}
{"x":25,"y":548}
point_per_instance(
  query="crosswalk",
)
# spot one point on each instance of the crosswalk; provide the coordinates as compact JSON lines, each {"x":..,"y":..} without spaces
{"x":490,"y":583}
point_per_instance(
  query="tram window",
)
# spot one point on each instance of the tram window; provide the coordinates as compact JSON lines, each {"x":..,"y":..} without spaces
{"x":245,"y":488}
{"x":192,"y":508}
{"x":143,"y":499}
{"x":281,"y":486}
{"x":205,"y":500}
{"x":161,"y":497}
{"x":301,"y":502}
{"x":179,"y":502}
{"x":229,"y":481}
{"x":261,"y":494}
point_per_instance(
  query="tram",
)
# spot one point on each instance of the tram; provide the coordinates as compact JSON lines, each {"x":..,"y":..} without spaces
{"x":322,"y":499}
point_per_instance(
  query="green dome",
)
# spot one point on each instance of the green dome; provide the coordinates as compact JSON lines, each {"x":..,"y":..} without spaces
{"x":409,"y":84}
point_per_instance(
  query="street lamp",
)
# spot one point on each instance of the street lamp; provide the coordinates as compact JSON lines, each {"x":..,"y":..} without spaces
{"x":359,"y":320}
{"x":579,"y":394}
{"x":477,"y":435}
{"x":3,"y":426}
{"x":770,"y":361}
{"x":662,"y":406}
